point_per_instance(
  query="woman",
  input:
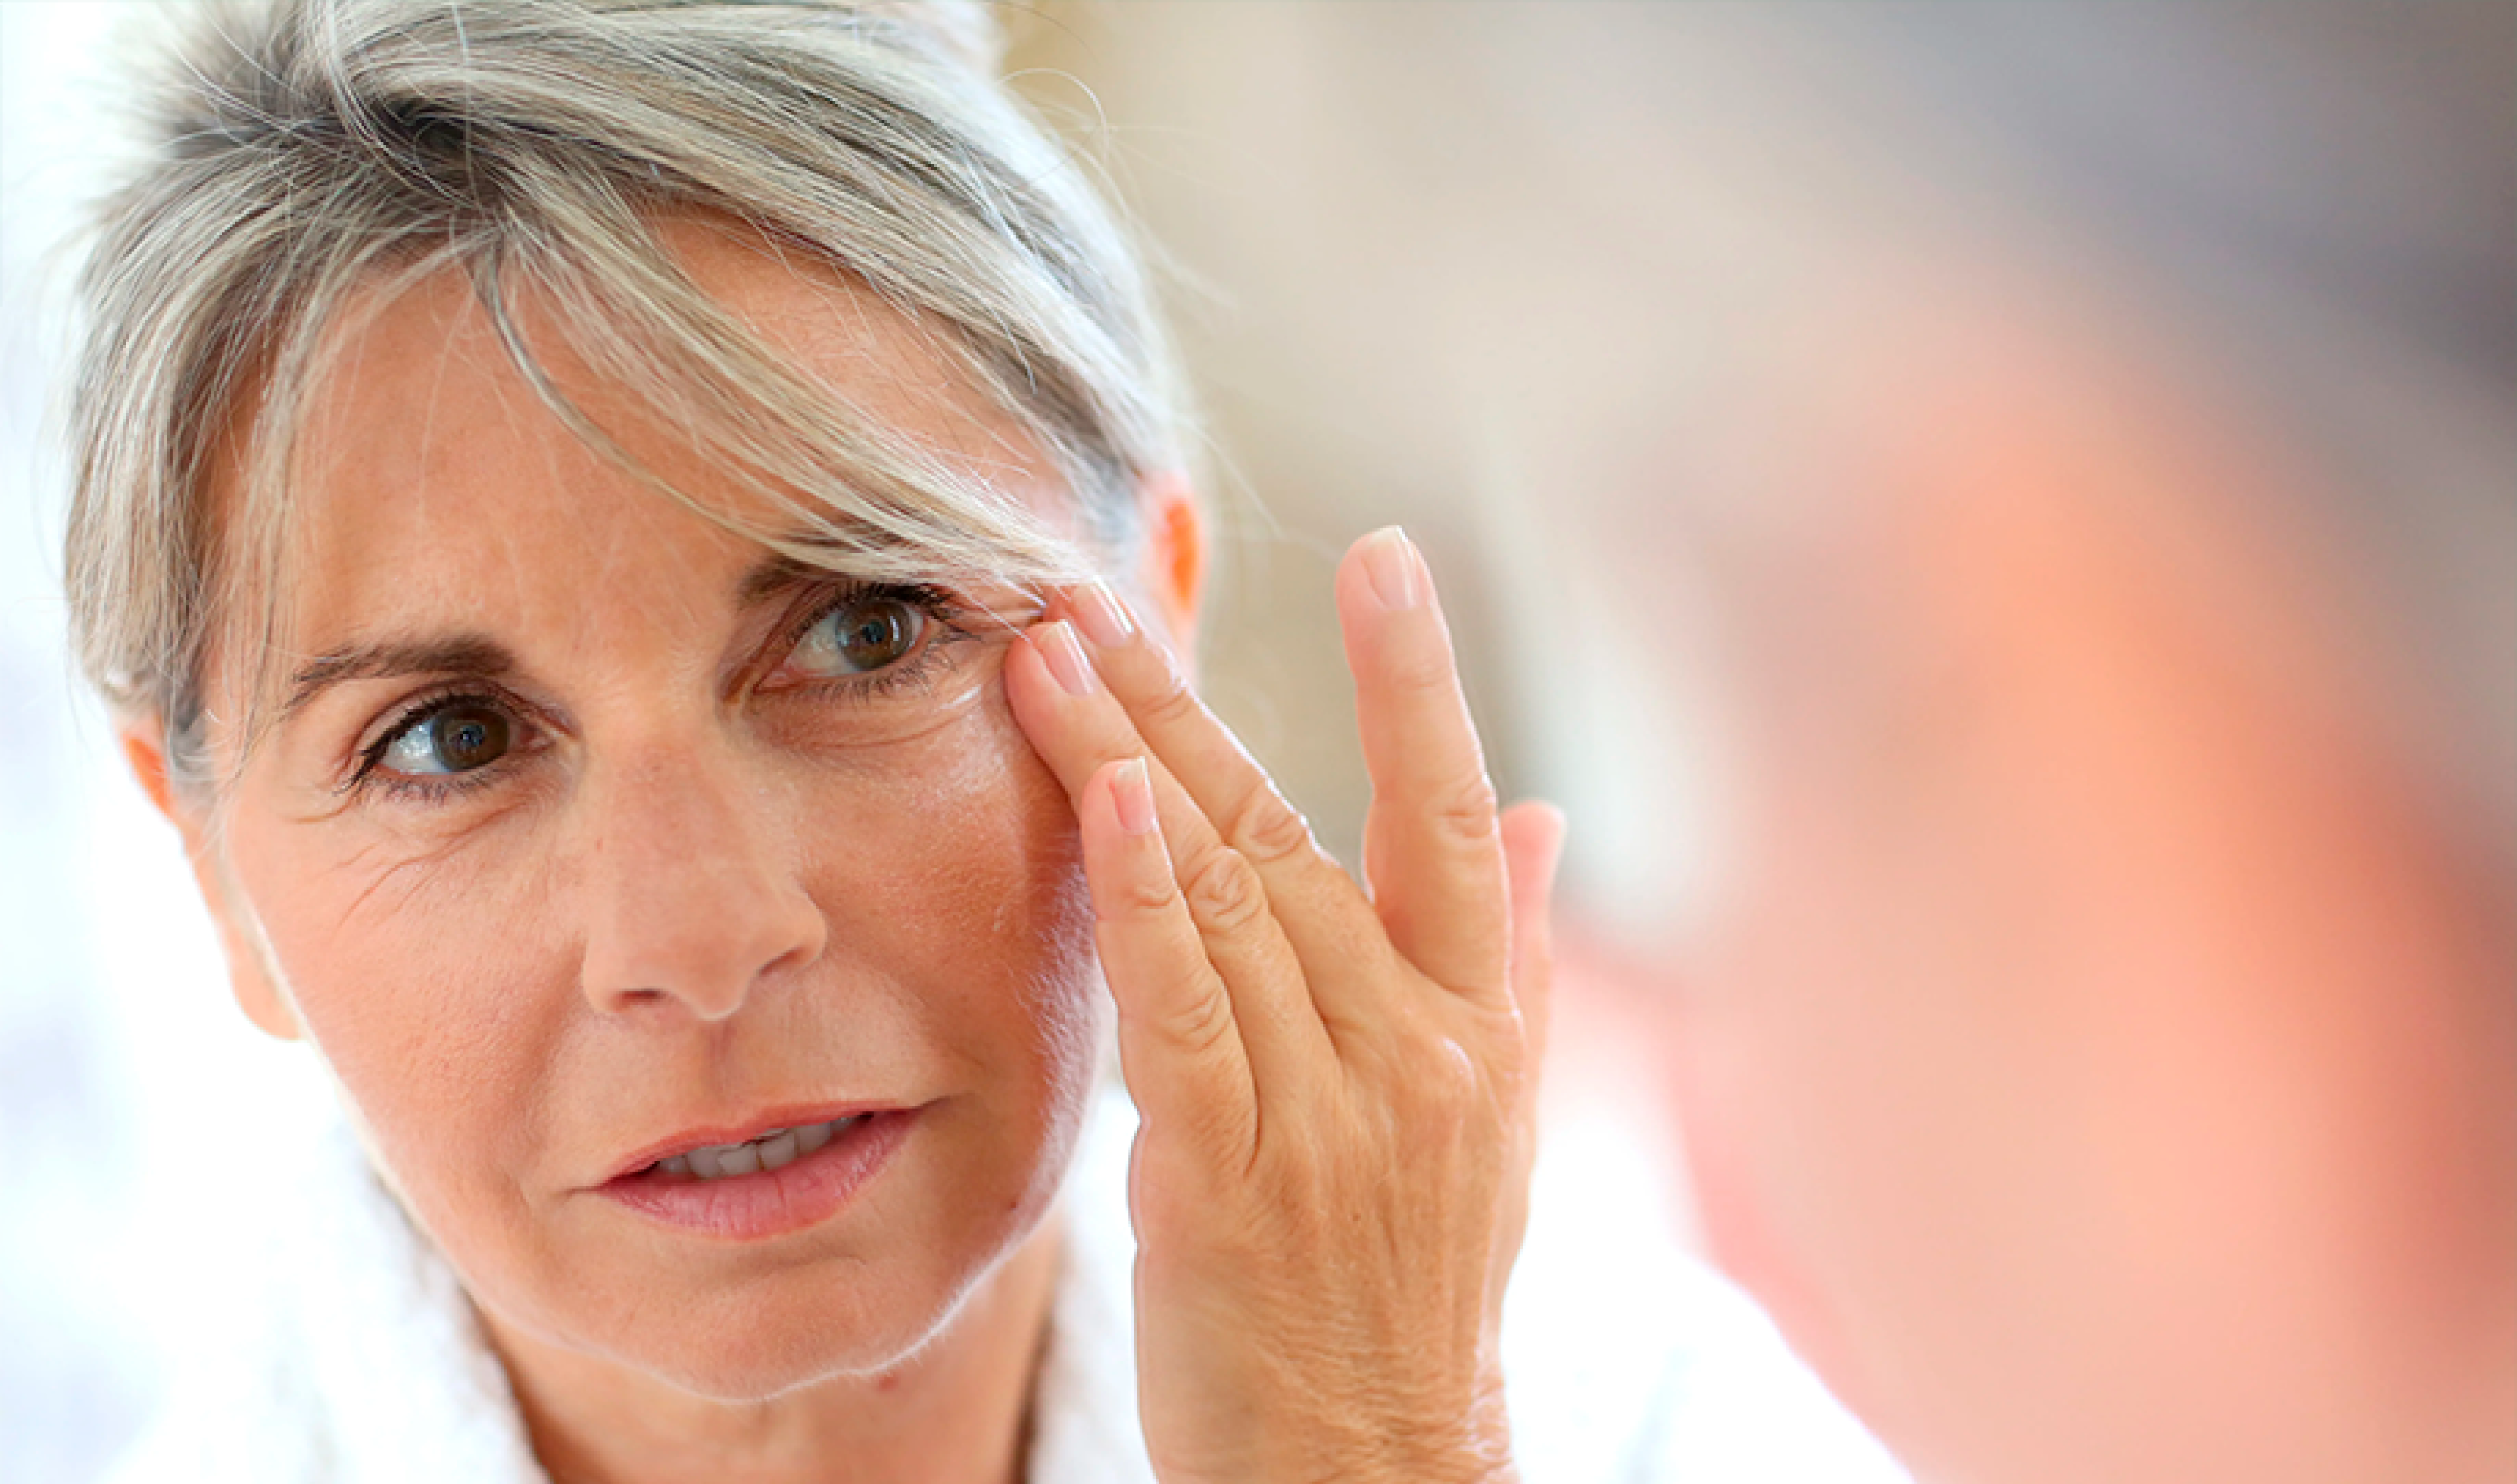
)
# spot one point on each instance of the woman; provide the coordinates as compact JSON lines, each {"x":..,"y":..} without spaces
{"x":684,"y":889}
{"x":639,"y":545}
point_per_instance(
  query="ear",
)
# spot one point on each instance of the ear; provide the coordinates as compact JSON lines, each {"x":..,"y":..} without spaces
{"x":257,"y":991}
{"x":1172,"y":573}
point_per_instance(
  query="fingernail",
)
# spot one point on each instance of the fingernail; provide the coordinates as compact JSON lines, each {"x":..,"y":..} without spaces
{"x":1056,"y":644}
{"x":1396,"y":571}
{"x":1131,"y":795}
{"x":1103,"y":617}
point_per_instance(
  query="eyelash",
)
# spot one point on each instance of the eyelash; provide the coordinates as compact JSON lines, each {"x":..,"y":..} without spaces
{"x":939,"y":607}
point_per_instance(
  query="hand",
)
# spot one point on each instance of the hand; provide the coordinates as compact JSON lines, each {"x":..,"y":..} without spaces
{"x":1335,"y":1087}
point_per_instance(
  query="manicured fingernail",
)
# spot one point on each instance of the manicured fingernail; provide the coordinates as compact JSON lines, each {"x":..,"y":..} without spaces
{"x":1131,"y":795}
{"x":1397,"y":573}
{"x":1056,"y":644}
{"x":1102,"y":617}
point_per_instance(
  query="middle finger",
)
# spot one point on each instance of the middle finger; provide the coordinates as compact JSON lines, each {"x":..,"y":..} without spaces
{"x":1324,"y":913}
{"x":1078,"y":727}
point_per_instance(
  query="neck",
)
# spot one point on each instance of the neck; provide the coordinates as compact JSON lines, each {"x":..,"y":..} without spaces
{"x":953,"y":1411}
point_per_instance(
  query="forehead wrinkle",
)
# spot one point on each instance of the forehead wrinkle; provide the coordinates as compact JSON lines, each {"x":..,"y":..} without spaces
{"x":453,"y":330}
{"x":329,"y":453}
{"x":474,"y":386}
{"x":458,"y":373}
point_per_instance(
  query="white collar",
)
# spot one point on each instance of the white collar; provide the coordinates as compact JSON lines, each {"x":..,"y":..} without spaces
{"x":360,"y":1360}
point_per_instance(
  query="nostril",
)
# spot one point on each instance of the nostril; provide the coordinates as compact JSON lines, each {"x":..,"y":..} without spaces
{"x":688,"y":894}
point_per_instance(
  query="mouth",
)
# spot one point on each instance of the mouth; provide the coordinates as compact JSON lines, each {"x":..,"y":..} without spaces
{"x":779,"y":1178}
{"x":775,"y":1149}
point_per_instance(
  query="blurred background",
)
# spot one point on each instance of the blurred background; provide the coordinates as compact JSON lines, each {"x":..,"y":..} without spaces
{"x":1603,"y":302}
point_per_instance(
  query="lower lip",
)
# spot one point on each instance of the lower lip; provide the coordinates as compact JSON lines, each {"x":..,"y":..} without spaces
{"x":806,"y":1192}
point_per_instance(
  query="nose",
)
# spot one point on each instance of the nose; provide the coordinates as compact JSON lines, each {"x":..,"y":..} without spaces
{"x":692,"y":888}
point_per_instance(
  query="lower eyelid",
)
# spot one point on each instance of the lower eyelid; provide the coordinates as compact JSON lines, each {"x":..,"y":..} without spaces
{"x":433,"y":788}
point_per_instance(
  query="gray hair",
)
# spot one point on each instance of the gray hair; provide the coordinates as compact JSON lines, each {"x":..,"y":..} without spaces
{"x":300,"y":151}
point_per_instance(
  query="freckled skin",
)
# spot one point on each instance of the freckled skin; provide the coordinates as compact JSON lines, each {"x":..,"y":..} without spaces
{"x":684,"y":900}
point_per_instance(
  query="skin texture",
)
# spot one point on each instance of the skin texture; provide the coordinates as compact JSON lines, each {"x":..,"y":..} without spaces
{"x":1330,"y":1184}
{"x":709,"y":879}
{"x":704,"y":890}
{"x":2101,"y":1066}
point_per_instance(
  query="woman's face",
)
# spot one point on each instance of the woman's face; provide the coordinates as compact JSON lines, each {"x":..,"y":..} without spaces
{"x":590,"y":836}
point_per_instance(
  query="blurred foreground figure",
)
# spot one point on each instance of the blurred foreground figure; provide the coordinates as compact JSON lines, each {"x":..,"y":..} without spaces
{"x":2096,"y":1041}
{"x":2004,"y":521}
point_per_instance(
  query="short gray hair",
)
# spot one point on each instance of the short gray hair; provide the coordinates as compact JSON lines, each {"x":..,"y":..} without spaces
{"x":299,"y":151}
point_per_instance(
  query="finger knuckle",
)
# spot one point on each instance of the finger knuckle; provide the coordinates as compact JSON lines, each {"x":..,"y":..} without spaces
{"x":1198,"y":1023}
{"x":1168,"y":702}
{"x":1224,"y":893}
{"x":1452,"y":1080}
{"x":1149,"y":896}
{"x":1266,"y":828}
{"x":1417,"y":670}
{"x":1444,"y":1092}
{"x":1468,"y":808}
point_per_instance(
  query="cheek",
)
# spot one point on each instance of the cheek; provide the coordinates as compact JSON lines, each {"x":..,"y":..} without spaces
{"x":422,"y":981}
{"x":440,"y":983}
{"x":976,"y":914}
{"x":986,"y":889}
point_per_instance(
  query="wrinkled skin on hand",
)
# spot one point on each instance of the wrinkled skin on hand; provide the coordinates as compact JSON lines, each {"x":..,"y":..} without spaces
{"x":1336,"y":1083}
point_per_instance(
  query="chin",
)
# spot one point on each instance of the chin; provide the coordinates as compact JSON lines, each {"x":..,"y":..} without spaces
{"x":753,"y":1338}
{"x":758,"y":1352}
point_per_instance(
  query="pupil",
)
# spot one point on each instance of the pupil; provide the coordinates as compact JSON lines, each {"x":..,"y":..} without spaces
{"x":470,"y":738}
{"x":879,"y":636}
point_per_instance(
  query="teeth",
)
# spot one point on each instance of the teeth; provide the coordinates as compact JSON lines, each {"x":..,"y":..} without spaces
{"x":773,"y":1150}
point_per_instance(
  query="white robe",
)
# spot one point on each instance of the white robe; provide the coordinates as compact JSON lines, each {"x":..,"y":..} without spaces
{"x":356,"y":1359}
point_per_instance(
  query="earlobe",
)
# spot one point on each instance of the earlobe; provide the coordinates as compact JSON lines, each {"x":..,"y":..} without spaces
{"x":257,"y":992}
{"x":144,"y":750}
{"x":1173,"y":570}
{"x":249,"y":972}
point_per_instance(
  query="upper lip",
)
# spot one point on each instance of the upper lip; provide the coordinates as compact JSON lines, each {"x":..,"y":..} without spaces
{"x":752,"y":1126}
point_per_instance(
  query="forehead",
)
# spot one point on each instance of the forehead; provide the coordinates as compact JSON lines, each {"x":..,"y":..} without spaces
{"x":428,"y":461}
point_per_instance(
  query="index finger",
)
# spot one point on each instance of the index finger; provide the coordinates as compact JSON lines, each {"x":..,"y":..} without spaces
{"x":1321,"y":910}
{"x":1432,"y":846}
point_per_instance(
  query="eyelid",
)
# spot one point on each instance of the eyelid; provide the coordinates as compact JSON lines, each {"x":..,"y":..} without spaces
{"x":942,"y":609}
{"x":946,"y":612}
{"x":417,"y":708}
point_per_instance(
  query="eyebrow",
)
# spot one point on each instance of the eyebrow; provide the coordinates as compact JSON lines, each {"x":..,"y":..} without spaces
{"x":458,"y":655}
{"x":479,"y":656}
{"x":776,"y":576}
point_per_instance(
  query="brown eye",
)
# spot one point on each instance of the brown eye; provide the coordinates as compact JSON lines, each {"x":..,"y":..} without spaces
{"x":455,"y":739}
{"x":859,"y":636}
